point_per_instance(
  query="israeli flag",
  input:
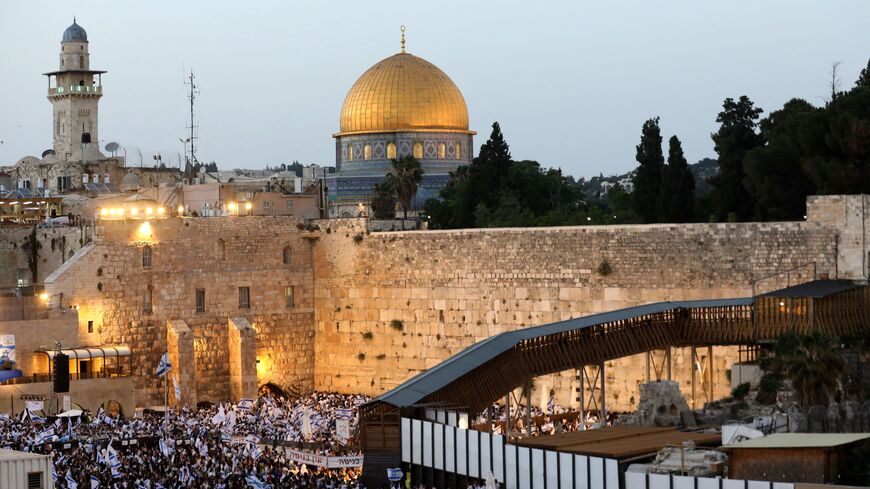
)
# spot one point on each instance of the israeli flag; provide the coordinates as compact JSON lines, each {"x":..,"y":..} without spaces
{"x":165,"y":448}
{"x":256,"y":452}
{"x":164,"y":366}
{"x":177,"y":388}
{"x":53,"y":473}
{"x":246,"y":404}
{"x":95,"y":483}
{"x":70,"y":482}
{"x":252,"y":481}
{"x":551,"y":405}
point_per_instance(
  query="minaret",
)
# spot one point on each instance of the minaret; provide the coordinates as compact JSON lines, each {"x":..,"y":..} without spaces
{"x":74,"y":92}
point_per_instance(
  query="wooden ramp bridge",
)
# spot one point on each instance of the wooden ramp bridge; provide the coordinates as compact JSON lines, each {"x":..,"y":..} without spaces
{"x":478,"y":376}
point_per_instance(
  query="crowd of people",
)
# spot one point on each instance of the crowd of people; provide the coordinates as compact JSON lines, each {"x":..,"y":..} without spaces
{"x":220,"y":446}
{"x":550,"y":421}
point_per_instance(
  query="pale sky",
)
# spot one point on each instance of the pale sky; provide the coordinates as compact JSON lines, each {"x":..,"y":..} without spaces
{"x":571,"y":82}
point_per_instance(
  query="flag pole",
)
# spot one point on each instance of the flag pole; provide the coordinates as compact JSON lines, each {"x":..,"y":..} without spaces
{"x":166,"y":397}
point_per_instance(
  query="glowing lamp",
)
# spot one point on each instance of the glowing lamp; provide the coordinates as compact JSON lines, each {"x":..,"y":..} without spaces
{"x":181,"y":209}
{"x":43,"y":297}
{"x":104,"y":212}
{"x":161,"y":210}
{"x":248,"y":206}
{"x":134,"y":211}
{"x":149,"y":211}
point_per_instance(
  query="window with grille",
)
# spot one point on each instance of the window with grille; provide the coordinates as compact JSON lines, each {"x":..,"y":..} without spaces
{"x":200,"y":300}
{"x":244,"y":298}
{"x":34,"y":480}
{"x":146,"y":256}
{"x":289,"y":296}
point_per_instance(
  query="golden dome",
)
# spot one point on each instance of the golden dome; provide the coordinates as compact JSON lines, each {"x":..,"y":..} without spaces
{"x":403,"y":93}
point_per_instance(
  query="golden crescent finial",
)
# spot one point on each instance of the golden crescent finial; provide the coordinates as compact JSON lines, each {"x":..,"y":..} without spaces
{"x":403,"y":37}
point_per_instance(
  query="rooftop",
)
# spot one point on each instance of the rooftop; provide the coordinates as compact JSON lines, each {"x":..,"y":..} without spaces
{"x":815,"y":289}
{"x":6,"y":454}
{"x":621,"y":442}
{"x":802,"y":440}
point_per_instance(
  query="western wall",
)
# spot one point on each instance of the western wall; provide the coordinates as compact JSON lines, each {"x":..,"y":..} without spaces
{"x":373,"y":309}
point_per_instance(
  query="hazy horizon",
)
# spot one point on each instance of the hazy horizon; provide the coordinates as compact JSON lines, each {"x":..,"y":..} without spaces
{"x":570,"y":82}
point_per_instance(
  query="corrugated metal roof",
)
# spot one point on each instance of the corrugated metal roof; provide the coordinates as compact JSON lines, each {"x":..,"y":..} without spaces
{"x":815,"y":289}
{"x":802,"y":440}
{"x":425,"y":383}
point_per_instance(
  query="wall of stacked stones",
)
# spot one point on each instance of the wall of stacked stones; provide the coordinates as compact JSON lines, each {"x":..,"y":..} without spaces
{"x":108,"y":283}
{"x":390,"y":305}
{"x":56,"y":245}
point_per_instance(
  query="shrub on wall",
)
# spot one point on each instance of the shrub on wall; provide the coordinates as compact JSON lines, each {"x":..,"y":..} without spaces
{"x":604,"y":268}
{"x":368,"y":335}
{"x":397,"y":324}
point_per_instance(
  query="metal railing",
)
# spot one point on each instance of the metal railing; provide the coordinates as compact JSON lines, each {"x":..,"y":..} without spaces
{"x":96,"y":89}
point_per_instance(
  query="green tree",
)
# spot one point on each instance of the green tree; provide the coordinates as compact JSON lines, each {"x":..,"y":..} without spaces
{"x":648,"y":178}
{"x":384,"y":200}
{"x":864,"y":77}
{"x":813,"y":363}
{"x":489,"y":170}
{"x":735,"y":137}
{"x":774,"y":175}
{"x":841,"y":164}
{"x":677,"y":194}
{"x":405,"y":177}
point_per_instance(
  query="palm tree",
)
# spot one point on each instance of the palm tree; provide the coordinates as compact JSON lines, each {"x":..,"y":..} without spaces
{"x":384,"y":200}
{"x":814,"y":367}
{"x":405,"y":176}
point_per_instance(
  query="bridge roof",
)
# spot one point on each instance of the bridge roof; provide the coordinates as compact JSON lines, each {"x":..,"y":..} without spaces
{"x":815,"y":289}
{"x":428,"y":382}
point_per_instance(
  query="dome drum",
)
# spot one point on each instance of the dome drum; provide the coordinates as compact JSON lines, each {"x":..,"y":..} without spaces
{"x":429,"y":147}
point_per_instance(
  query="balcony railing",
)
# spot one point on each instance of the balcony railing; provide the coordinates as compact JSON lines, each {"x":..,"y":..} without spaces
{"x":96,"y":89}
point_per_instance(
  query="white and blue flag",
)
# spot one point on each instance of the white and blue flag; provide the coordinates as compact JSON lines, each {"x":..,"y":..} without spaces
{"x":164,"y":366}
{"x":95,"y":482}
{"x":70,"y":482}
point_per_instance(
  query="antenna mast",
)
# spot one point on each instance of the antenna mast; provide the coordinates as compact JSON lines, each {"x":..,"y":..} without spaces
{"x":192,"y":92}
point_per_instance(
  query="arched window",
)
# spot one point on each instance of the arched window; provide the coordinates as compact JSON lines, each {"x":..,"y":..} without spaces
{"x":146,"y":257}
{"x":442,"y":151}
{"x":458,"y":151}
{"x":221,"y":250}
{"x":367,"y":152}
{"x":81,"y":62}
{"x":349,"y":152}
{"x":288,"y":255}
{"x":418,"y":150}
{"x":391,"y":151}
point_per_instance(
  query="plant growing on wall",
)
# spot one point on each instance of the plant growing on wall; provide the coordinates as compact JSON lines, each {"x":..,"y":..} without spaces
{"x":604,"y":268}
{"x":32,"y":246}
{"x":397,"y":324}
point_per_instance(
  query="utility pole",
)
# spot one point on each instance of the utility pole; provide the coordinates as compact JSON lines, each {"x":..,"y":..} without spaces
{"x":193,"y":91}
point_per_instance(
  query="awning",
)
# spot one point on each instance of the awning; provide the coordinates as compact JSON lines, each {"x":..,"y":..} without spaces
{"x":91,"y":352}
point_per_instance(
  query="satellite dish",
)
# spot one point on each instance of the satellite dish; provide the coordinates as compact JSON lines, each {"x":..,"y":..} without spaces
{"x":47,"y":152}
{"x":112,"y":147}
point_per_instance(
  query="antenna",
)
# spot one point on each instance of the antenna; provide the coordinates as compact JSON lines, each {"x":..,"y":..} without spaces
{"x":193,"y":91}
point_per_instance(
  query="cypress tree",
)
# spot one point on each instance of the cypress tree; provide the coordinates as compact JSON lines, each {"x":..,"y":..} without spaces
{"x":735,"y":137}
{"x":647,"y":180}
{"x":678,"y":186}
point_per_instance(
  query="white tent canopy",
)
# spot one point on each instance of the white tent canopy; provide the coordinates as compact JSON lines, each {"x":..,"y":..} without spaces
{"x":91,"y":352}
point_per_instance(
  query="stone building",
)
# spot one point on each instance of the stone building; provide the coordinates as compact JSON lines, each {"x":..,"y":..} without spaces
{"x":75,"y":160}
{"x":402,"y":106}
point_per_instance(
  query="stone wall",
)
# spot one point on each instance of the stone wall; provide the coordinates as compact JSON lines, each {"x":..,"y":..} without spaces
{"x":56,"y":245}
{"x":109,"y":284}
{"x":390,"y":305}
{"x":373,"y":309}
